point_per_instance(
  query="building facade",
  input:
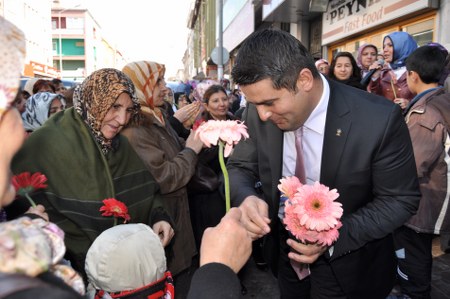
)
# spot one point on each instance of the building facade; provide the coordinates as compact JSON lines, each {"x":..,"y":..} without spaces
{"x":78,"y":45}
{"x":325,"y":27}
{"x":32,"y":17}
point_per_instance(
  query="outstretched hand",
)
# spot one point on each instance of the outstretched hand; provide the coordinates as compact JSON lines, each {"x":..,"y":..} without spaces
{"x":227,"y":243}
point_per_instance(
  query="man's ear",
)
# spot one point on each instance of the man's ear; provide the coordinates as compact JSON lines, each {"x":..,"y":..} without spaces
{"x":305,"y":80}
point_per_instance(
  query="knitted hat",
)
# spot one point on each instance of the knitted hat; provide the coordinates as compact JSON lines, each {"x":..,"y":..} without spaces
{"x":125,"y":257}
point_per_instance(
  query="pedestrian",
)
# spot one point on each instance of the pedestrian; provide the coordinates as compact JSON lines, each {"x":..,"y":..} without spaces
{"x":344,"y":69}
{"x":86,"y":160}
{"x":323,"y":66}
{"x":353,"y":141}
{"x":430,"y":134}
{"x":169,"y":158}
{"x":389,"y":80}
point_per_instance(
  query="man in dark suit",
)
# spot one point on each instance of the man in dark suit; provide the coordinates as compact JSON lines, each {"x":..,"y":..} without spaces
{"x":353,"y":141}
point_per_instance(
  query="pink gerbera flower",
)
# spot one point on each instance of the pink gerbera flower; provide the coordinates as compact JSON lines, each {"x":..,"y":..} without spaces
{"x":288,"y":186}
{"x":226,"y":134}
{"x":328,"y":237}
{"x":229,"y":132}
{"x":304,"y":235}
{"x":315,"y":207}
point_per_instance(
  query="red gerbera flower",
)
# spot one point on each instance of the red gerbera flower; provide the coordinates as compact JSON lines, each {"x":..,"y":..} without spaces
{"x":116,"y":208}
{"x":26,"y":183}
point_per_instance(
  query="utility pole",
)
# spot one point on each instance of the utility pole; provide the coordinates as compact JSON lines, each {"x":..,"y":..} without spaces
{"x":220,"y":45}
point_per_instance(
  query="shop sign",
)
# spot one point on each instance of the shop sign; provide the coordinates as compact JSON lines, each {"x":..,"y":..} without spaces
{"x":44,"y":70}
{"x":347,"y":17}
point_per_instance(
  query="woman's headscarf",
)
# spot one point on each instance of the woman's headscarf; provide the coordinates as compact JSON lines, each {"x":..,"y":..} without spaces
{"x":201,"y":87}
{"x":359,"y":58}
{"x":12,"y":55}
{"x":403,"y":44}
{"x":37,"y":109}
{"x":97,"y":94}
{"x":145,"y":75}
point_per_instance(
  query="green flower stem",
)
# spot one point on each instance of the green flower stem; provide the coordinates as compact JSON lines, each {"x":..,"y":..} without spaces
{"x":225,"y":176}
{"x":30,"y":200}
{"x":115,"y":221}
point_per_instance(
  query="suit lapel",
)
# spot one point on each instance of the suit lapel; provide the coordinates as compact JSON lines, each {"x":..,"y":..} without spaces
{"x":337,"y":129}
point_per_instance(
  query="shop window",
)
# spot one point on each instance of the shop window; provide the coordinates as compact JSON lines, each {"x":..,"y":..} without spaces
{"x":421,"y":31}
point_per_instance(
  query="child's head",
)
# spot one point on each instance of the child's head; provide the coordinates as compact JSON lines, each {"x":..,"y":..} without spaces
{"x":427,"y":62}
{"x":125,"y":257}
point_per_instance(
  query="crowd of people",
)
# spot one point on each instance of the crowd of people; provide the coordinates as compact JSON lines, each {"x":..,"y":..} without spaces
{"x":376,"y":129}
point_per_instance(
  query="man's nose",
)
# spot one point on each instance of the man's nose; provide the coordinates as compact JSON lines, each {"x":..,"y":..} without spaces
{"x":263,"y":113}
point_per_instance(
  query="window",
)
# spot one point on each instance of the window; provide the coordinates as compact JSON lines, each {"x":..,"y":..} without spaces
{"x":55,"y":48}
{"x":75,"y":23}
{"x":421,"y":31}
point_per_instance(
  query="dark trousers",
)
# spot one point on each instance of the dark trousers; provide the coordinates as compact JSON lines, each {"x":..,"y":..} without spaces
{"x":414,"y":262}
{"x":321,"y":283}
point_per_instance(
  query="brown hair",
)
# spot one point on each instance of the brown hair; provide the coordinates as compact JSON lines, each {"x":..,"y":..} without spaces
{"x":212,"y":90}
{"x":42,"y":83}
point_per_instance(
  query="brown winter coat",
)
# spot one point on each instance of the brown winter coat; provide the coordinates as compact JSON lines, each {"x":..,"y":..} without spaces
{"x":429,"y":132}
{"x":172,"y":166}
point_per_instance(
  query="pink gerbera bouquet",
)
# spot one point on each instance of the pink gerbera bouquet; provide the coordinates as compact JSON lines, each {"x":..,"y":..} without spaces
{"x":311,"y":213}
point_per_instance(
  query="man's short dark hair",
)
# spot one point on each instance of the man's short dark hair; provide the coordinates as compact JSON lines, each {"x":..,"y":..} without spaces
{"x":428,"y":62}
{"x":272,"y":54}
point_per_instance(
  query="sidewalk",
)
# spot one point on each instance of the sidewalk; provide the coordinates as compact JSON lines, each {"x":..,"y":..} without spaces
{"x":262,"y":284}
{"x":440,"y":284}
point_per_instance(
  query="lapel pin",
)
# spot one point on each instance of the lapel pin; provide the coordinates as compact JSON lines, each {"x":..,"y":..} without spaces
{"x":338,"y":132}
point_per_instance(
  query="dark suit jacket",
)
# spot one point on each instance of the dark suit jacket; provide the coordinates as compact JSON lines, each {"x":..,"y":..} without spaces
{"x":370,"y":163}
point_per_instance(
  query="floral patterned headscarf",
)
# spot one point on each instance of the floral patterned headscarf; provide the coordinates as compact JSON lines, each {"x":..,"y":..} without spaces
{"x":145,"y":75}
{"x":94,"y":97}
{"x":34,"y":246}
{"x":12,"y":55}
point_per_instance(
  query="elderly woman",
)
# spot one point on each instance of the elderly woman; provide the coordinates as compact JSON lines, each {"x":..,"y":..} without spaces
{"x":40,"y":107}
{"x":86,"y":160}
{"x":171,"y":161}
{"x":367,"y":55}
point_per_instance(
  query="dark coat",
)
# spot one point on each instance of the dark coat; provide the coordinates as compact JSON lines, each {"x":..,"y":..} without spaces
{"x":371,"y":164}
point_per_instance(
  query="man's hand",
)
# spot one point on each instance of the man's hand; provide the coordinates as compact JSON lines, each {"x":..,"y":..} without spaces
{"x":255,"y":218}
{"x":227,"y":243}
{"x":164,"y":231}
{"x":305,"y":253}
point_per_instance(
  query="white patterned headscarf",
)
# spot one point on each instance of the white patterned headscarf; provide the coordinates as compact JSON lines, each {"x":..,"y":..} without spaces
{"x":38,"y":108}
{"x":12,"y":56}
{"x":201,"y":87}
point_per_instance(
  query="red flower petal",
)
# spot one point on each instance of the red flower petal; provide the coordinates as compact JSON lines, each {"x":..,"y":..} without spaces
{"x":116,"y":208}
{"x":27,"y":183}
